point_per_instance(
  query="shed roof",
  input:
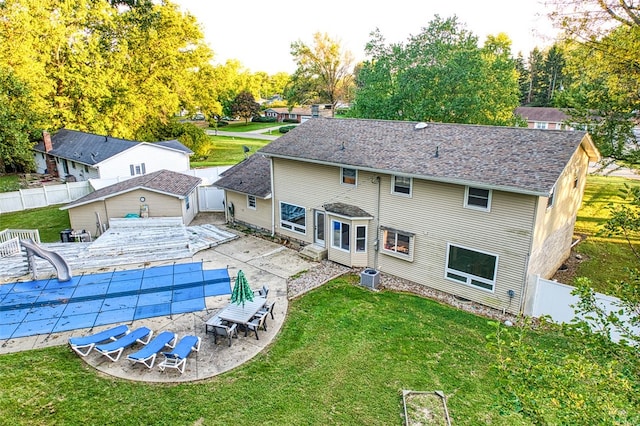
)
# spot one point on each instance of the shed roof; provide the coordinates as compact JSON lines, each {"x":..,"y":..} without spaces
{"x":167,"y":182}
{"x":507,"y":158}
{"x":251,"y":176}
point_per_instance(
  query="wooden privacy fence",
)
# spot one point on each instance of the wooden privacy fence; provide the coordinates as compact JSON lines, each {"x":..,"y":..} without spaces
{"x":43,"y":196}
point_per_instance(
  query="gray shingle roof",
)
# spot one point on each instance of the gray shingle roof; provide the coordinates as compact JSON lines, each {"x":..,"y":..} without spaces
{"x":162,"y":181}
{"x":347,"y":210}
{"x":91,"y":149}
{"x":251,"y":176}
{"x":550,"y":115}
{"x":507,"y":158}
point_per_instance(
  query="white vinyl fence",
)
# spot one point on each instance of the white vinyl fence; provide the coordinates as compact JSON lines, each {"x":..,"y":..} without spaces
{"x":555,"y":300}
{"x":43,"y":196}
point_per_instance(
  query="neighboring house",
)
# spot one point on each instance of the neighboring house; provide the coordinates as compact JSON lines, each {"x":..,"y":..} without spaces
{"x":299,"y":114}
{"x":474,"y":211}
{"x":544,"y":118}
{"x":159,"y":194}
{"x":82,"y":156}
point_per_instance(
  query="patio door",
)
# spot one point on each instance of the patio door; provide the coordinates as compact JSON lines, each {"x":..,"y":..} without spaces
{"x":319,"y":228}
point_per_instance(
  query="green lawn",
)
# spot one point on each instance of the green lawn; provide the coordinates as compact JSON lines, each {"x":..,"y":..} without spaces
{"x":342,"y":358}
{"x":228,"y":150}
{"x":48,"y":220}
{"x":9,"y":183}
{"x":607,"y":258}
{"x":240,"y":126}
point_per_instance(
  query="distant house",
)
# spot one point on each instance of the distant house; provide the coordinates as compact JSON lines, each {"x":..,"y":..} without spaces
{"x":159,"y":194}
{"x":544,"y":118}
{"x":475,"y":211}
{"x":298,"y":114}
{"x":80,"y":156}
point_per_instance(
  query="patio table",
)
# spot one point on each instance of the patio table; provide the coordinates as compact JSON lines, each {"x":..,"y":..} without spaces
{"x":242,"y":314}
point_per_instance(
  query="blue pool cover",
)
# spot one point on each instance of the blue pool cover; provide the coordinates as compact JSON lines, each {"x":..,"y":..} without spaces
{"x":50,"y":306}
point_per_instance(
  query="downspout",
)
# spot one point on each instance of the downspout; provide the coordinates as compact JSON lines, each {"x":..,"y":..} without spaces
{"x":524,"y":288}
{"x":376,"y":244}
{"x":273,"y":198}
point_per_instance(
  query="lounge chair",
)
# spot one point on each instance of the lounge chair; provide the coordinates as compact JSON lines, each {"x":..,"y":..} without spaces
{"x":177,"y":358}
{"x":83,"y":345}
{"x":113,"y":350}
{"x":147,"y":355}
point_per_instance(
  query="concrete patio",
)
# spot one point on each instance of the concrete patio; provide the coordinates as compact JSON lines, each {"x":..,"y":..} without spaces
{"x":263,"y":262}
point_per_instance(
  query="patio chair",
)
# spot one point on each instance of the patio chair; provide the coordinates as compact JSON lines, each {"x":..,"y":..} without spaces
{"x":262,"y":292}
{"x":213,"y":321}
{"x":256,"y":323}
{"x":113,"y":350}
{"x":83,"y":345}
{"x":177,"y":358}
{"x":268,"y":308}
{"x":225,"y":331}
{"x":147,"y":354}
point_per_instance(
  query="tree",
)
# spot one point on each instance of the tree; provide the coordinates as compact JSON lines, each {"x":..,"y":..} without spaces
{"x":591,"y":378}
{"x":604,"y":67}
{"x":439,"y":75}
{"x":103,"y":67}
{"x":245,"y":106}
{"x":18,"y":124}
{"x":323,"y":73}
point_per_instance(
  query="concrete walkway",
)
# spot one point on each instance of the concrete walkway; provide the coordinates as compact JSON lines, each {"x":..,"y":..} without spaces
{"x":263,"y":262}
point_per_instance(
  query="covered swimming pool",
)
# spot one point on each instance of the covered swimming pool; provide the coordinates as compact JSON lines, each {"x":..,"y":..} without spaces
{"x":50,"y":306}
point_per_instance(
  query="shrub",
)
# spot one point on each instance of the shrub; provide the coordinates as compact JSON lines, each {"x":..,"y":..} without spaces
{"x":260,"y":119}
{"x":285,"y":129}
{"x":289,"y":120}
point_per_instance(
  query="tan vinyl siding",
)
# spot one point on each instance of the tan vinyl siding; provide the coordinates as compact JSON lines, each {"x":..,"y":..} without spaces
{"x":554,"y":226}
{"x":260,"y":217}
{"x":84,"y":217}
{"x":435,"y":214}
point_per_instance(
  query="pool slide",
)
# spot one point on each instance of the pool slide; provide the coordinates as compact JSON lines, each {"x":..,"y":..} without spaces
{"x":62,"y":267}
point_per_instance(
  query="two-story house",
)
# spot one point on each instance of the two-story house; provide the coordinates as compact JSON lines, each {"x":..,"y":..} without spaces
{"x":474,"y":211}
{"x":80,"y":156}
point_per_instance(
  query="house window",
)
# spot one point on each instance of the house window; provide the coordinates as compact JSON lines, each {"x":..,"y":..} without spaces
{"x":86,"y":169}
{"x":551,"y":197}
{"x":251,"y":202}
{"x":187,"y":201}
{"x":349,"y":176}
{"x":541,"y":125}
{"x":340,"y":235}
{"x":137,"y":169}
{"x":401,"y":185}
{"x":397,"y":242}
{"x":361,"y":239}
{"x":293,"y":116}
{"x":477,"y":198}
{"x":293,"y":217}
{"x":471,"y":267}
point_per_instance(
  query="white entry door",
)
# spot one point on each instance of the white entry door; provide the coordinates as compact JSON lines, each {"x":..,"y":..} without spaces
{"x":319,"y":228}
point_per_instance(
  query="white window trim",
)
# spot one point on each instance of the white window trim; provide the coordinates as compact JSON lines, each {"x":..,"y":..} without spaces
{"x":551,"y":199}
{"x":255,"y":203}
{"x":291,"y":226}
{"x":402,"y":194}
{"x":342,"y":182}
{"x":542,"y":125}
{"x":355,"y":238}
{"x":473,"y":206}
{"x":468,"y":276}
{"x":394,"y":253}
{"x":333,"y":240}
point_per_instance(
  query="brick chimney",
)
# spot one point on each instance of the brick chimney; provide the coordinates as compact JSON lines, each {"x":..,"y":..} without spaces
{"x":48,"y":146}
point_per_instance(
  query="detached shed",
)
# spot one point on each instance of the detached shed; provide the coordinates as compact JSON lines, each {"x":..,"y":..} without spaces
{"x":160,"y":194}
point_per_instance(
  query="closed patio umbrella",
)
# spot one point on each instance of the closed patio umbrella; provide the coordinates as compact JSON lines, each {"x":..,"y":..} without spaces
{"x":241,"y":290}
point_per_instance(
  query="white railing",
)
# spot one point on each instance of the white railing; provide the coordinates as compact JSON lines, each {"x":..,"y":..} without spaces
{"x":10,"y":240}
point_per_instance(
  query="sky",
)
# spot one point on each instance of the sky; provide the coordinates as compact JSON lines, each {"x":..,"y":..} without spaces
{"x":259,"y":33}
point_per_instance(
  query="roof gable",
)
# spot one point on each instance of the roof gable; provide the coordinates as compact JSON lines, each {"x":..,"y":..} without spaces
{"x":251,"y":176}
{"x":507,"y":158}
{"x":163,"y":181}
